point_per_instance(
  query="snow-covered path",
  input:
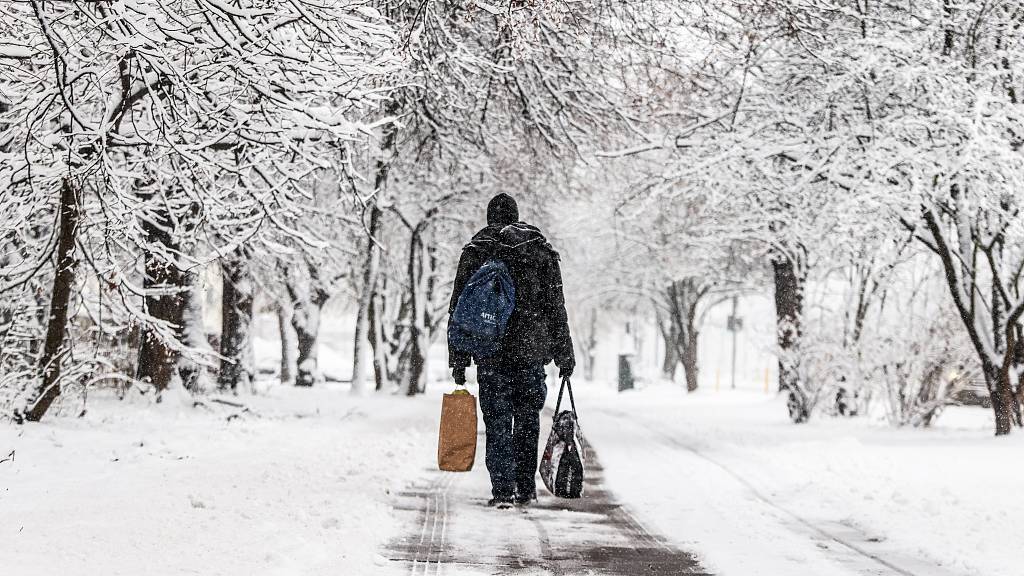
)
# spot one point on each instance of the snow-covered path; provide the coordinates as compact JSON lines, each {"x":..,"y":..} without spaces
{"x":451,"y":531}
{"x":841,"y":548}
{"x":311,"y":482}
{"x":727,"y":476}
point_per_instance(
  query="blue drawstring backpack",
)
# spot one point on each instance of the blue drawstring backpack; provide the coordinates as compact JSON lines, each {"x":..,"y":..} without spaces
{"x":482,"y":312}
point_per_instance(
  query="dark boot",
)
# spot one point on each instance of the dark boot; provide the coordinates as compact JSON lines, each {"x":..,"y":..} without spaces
{"x":524,"y":500}
{"x":500,"y":503}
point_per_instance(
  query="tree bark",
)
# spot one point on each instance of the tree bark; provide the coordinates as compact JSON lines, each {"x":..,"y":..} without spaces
{"x":688,"y":356}
{"x":1005,"y":403}
{"x":237,"y":368}
{"x":685,"y":297}
{"x":372,"y":261}
{"x":418,"y":297}
{"x":171,"y":297}
{"x":588,"y":344}
{"x":370,"y":269}
{"x":375,"y":334}
{"x":306,"y":322}
{"x":670,"y":336}
{"x":789,"y":302}
{"x":194,"y":375}
{"x":1001,"y":397}
{"x":288,"y":344}
{"x":165,"y":284}
{"x":589,"y":355}
{"x":60,"y":299}
{"x":308,"y":298}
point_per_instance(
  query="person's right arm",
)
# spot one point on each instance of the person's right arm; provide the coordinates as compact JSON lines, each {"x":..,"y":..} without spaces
{"x":467,"y":266}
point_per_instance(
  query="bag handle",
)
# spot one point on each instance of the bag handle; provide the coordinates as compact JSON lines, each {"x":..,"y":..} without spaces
{"x":572,"y":401}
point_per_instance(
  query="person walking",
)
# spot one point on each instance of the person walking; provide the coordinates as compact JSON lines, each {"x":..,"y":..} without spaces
{"x":512,"y":381}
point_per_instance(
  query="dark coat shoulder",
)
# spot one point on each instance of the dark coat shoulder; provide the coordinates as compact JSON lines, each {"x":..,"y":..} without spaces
{"x":538,"y":331}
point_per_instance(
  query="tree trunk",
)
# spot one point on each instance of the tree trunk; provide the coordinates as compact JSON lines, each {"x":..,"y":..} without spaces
{"x":684,"y":299}
{"x":372,"y":262}
{"x":375,"y":334}
{"x":165,"y":285}
{"x":306,"y":321}
{"x":688,"y":356}
{"x":670,"y":336}
{"x":418,"y":343}
{"x":60,"y":298}
{"x":194,"y":375}
{"x":999,"y":379}
{"x":308,"y":298}
{"x":370,"y":269}
{"x":417,"y":366}
{"x":1002,"y":404}
{"x":288,"y":344}
{"x":237,"y":368}
{"x":431,"y":312}
{"x":589,"y":345}
{"x":789,"y":301}
{"x":1018,"y":360}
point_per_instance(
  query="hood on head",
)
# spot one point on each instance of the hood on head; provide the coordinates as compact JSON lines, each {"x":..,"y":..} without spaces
{"x":502,"y":210}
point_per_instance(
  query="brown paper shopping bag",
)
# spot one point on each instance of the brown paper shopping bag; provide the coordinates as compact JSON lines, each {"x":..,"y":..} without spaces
{"x":456,"y":443}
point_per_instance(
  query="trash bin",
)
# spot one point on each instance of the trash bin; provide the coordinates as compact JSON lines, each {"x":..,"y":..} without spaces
{"x":625,"y":372}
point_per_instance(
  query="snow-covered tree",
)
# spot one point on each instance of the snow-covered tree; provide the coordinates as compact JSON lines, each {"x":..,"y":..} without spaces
{"x":488,"y":92}
{"x":139,"y":126}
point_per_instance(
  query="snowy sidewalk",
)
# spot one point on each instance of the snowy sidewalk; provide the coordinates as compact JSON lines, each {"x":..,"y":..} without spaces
{"x":452,"y":531}
{"x":726,"y":475}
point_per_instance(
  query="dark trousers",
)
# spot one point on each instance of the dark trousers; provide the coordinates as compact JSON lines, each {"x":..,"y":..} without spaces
{"x":511,"y":399}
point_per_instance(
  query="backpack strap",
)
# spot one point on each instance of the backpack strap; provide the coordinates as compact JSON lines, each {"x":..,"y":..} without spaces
{"x":572,"y":401}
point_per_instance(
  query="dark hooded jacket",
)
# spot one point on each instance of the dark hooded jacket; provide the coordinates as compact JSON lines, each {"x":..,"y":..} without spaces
{"x":538,"y":330}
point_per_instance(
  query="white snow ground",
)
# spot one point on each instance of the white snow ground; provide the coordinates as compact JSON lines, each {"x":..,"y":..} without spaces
{"x":703,"y":468}
{"x":302,"y":489}
{"x":306,"y":485}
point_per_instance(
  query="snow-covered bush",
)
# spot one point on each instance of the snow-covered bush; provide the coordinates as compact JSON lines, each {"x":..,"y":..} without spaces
{"x":894,"y":350}
{"x":918,"y":369}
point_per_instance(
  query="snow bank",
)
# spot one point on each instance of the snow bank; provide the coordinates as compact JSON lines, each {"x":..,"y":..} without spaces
{"x":305,"y":488}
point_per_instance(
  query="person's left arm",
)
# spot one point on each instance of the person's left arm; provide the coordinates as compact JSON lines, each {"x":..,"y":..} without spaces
{"x":468,"y":264}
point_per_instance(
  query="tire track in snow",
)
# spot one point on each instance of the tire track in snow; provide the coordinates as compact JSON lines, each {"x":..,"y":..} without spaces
{"x":882,"y":566}
{"x":594,"y":535}
{"x":433,"y":528}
